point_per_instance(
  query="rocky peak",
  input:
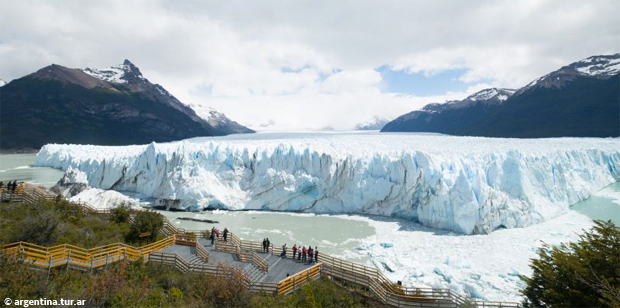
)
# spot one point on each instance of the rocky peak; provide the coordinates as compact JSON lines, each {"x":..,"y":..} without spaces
{"x":492,"y":93}
{"x":119,"y":74}
{"x":600,"y":67}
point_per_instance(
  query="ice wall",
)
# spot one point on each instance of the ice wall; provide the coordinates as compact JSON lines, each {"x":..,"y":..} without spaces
{"x":468,"y":185}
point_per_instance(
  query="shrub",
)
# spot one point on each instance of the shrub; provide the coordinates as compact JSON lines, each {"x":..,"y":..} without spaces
{"x":120,"y":214}
{"x":145,"y":222}
{"x":580,"y":274}
{"x":39,"y":229}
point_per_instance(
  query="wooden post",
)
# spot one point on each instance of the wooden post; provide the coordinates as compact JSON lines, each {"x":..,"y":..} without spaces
{"x":107,"y":258}
{"x":69,"y":260}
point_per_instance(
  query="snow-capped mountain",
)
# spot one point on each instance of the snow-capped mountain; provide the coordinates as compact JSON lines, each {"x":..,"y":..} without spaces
{"x":599,"y":67}
{"x":491,"y":96}
{"x":2,"y":82}
{"x":119,"y":74}
{"x":218,"y":119}
{"x":430,"y":118}
{"x":375,"y":124}
{"x":112,"y":106}
{"x":580,"y":100}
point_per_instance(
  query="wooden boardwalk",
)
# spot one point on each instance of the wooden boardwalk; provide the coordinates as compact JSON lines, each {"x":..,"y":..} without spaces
{"x":190,"y":251}
{"x":277,"y":268}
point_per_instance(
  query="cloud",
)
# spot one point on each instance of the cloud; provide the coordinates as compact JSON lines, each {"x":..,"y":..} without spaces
{"x":306,"y":64}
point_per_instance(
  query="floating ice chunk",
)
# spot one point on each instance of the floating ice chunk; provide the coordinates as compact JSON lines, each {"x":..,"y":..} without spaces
{"x":387,"y":245}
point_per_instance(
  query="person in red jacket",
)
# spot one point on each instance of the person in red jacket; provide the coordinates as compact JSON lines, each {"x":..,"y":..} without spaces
{"x":303,"y":254}
{"x":294,"y":250}
{"x":310,"y":254}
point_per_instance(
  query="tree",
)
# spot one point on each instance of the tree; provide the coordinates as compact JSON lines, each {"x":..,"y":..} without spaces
{"x":145,"y":222}
{"x":585,"y":273}
{"x":120,"y":214}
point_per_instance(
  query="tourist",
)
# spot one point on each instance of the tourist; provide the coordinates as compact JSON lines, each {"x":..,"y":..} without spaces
{"x":294,"y":251}
{"x":310,"y":254}
{"x":283,"y":255}
{"x":303,"y":254}
{"x":212,"y":236}
{"x":264,"y":244}
{"x":225,"y":234}
{"x":1,"y":185}
{"x":268,"y":244}
{"x":316,"y":255}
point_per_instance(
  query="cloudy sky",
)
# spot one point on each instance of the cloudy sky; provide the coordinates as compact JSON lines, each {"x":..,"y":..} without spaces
{"x":311,"y":64}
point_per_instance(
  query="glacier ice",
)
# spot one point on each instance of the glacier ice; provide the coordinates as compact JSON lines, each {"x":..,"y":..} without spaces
{"x":468,"y":185}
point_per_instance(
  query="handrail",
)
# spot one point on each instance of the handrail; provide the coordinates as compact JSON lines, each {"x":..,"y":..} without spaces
{"x":259,"y":262}
{"x":292,"y":283}
{"x":66,"y":254}
{"x":202,"y":253}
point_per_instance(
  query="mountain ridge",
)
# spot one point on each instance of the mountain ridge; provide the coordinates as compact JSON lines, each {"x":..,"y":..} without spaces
{"x":581,"y":99}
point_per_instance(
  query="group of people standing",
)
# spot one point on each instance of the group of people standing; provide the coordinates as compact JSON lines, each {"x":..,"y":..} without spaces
{"x":10,"y":186}
{"x":215,"y":233}
{"x":306,"y":255}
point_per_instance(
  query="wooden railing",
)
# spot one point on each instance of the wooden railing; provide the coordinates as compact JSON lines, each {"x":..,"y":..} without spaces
{"x":259,"y":262}
{"x":79,"y":257}
{"x":292,"y":283}
{"x":202,"y":253}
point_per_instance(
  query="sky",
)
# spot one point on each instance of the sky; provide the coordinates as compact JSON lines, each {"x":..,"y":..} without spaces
{"x":299,"y":65}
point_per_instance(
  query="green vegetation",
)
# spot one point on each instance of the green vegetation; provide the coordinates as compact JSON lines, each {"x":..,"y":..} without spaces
{"x":121,"y":214}
{"x":50,"y":223}
{"x":145,"y":225}
{"x":585,"y":273}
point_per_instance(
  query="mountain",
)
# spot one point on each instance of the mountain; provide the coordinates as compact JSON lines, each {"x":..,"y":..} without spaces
{"x":375,"y":124}
{"x":580,"y":100}
{"x":452,"y":116}
{"x":219,"y":120}
{"x":2,"y":82}
{"x":112,"y":106}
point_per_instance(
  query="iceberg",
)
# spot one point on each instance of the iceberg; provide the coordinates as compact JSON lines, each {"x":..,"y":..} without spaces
{"x":468,"y":185}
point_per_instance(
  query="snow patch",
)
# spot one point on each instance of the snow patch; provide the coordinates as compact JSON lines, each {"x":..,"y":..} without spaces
{"x":105,"y":199}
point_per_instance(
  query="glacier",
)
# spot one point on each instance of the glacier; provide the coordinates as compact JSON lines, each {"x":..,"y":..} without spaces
{"x":468,"y":185}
